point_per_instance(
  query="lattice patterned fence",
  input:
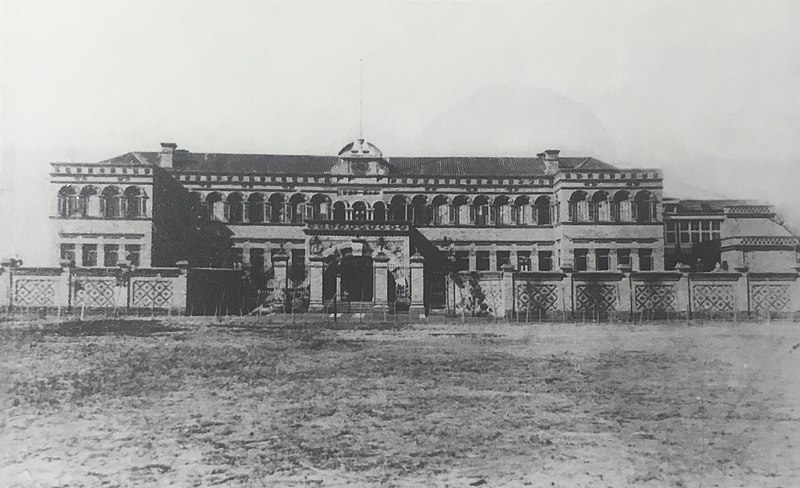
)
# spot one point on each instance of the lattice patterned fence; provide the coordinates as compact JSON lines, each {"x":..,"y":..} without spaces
{"x":713,"y":298}
{"x":151,"y":293}
{"x":596,"y":299}
{"x":771,"y":297}
{"x":536,"y":299}
{"x":31,"y":291}
{"x":96,"y":292}
{"x":651,"y":297}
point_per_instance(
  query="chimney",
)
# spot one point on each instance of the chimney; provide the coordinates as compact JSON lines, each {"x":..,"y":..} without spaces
{"x":550,"y":161}
{"x":167,"y":152}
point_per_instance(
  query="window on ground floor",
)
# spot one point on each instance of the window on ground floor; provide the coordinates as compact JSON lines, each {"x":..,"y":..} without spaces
{"x":482,"y":260}
{"x":524,"y":260}
{"x":110,"y":255}
{"x":603,"y":262}
{"x":545,"y":260}
{"x":646,"y":259}
{"x":462,"y":261}
{"x":624,"y":257}
{"x":503,"y":258}
{"x":89,"y":257}
{"x":133,"y":254}
{"x":68,"y":253}
{"x":581,"y":259}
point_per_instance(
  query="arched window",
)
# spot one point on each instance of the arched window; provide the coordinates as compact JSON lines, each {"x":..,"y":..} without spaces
{"x":461,"y":211}
{"x":500,"y":214}
{"x":297,"y":208}
{"x":644,"y":207}
{"x":441,"y":210}
{"x":255,"y":208}
{"x":420,"y":211}
{"x":277,"y":208}
{"x":578,"y":207}
{"x":339,"y":211}
{"x":133,"y":203}
{"x":320,"y":205}
{"x":480,"y":210}
{"x":598,"y":207}
{"x":110,"y":206}
{"x":67,"y":201}
{"x":234,"y":209}
{"x":398,"y":208}
{"x":89,"y":202}
{"x":543,"y":210}
{"x":359,"y":211}
{"x":379,"y":212}
{"x":521,"y":211}
{"x":215,"y":208}
{"x":621,"y":207}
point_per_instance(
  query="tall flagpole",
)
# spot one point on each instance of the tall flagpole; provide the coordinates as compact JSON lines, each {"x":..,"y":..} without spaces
{"x":361,"y":100}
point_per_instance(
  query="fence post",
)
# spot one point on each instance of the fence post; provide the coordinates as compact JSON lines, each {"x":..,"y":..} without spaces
{"x":742,"y":292}
{"x":626,"y":291}
{"x":508,"y":290}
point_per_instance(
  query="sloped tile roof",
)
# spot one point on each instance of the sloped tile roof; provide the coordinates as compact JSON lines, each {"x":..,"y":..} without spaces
{"x":185,"y":161}
{"x":709,"y":206}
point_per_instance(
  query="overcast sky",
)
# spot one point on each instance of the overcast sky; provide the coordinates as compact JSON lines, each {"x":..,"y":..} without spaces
{"x":708,"y":91}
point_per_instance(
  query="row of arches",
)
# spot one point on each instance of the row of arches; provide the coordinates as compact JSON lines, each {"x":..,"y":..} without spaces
{"x":602,"y":206}
{"x":110,"y":203}
{"x":440,"y":210}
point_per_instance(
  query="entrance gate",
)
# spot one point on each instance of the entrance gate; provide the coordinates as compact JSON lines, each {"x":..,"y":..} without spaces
{"x":357,"y":279}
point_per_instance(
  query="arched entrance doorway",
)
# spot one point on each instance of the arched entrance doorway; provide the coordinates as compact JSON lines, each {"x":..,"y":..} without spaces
{"x":356,"y":279}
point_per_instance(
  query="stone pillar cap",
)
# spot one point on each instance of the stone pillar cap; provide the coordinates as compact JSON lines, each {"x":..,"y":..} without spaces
{"x":381,"y":257}
{"x":507,"y":268}
{"x":417,"y":258}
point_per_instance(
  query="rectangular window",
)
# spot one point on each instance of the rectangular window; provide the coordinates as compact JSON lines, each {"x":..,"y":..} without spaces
{"x":482,"y":260}
{"x":581,"y":261}
{"x":68,"y":253}
{"x":89,"y":255}
{"x":524,"y":260}
{"x":624,"y":257}
{"x":602,"y":263}
{"x":503,"y":257}
{"x":132,"y":253}
{"x":462,"y":261}
{"x":646,"y":259}
{"x":545,"y":260}
{"x":110,"y":255}
{"x":257,"y":260}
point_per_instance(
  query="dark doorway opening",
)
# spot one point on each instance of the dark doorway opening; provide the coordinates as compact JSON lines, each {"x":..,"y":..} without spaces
{"x":357,"y":279}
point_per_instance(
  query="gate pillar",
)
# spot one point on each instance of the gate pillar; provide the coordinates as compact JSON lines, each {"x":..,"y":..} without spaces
{"x":417,"y":284}
{"x":381,"y":267}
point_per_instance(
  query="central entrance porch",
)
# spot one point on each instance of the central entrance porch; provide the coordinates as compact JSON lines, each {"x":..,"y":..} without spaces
{"x":363,"y":263}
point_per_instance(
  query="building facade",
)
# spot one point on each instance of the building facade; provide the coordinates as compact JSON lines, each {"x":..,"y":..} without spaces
{"x":364,"y":212}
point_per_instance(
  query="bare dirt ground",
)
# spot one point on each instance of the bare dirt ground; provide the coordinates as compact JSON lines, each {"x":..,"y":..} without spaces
{"x":187,"y":403}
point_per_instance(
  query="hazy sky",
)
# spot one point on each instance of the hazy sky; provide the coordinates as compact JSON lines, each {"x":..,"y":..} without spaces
{"x":708,"y":91}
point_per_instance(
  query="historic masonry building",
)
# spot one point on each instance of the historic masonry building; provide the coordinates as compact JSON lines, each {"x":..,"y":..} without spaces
{"x":368,"y":212}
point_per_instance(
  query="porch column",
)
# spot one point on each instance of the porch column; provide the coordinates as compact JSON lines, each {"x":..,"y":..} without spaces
{"x":315,"y":303}
{"x":380,"y":268}
{"x":417,"y":284}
